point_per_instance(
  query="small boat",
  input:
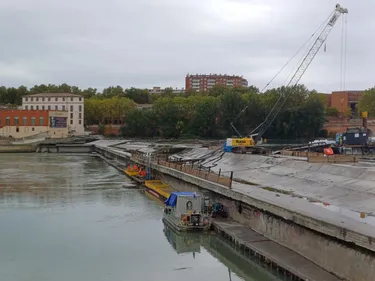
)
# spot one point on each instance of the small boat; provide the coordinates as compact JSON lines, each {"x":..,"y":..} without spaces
{"x":183,"y":212}
{"x":131,"y":171}
{"x":129,"y":185}
{"x":136,"y":173}
{"x":158,"y":189}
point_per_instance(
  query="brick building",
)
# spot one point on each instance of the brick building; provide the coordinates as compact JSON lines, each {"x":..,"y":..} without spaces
{"x":203,"y":82}
{"x":26,"y":123}
{"x":345,"y":101}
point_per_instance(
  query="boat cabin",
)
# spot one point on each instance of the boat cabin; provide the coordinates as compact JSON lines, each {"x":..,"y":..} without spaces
{"x":185,"y":209}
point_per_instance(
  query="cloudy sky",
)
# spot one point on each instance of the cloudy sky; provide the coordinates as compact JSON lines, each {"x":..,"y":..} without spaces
{"x":145,"y":43}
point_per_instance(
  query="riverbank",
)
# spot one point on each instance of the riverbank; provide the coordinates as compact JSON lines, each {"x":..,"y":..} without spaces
{"x":271,"y":253}
{"x":72,"y":211}
{"x":293,"y":222}
{"x":276,"y":256}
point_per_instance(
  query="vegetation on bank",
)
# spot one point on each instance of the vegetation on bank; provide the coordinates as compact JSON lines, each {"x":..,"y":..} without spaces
{"x":367,"y":102}
{"x":204,"y":115}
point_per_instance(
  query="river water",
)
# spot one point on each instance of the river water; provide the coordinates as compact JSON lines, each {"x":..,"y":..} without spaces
{"x":67,"y":217}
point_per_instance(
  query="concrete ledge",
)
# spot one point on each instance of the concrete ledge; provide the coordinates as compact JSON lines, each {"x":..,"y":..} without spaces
{"x":297,"y":211}
{"x":292,"y":209}
{"x":258,"y":245}
{"x":17,"y":148}
{"x":319,"y":235}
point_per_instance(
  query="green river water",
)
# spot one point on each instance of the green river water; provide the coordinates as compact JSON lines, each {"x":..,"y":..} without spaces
{"x":67,"y":217}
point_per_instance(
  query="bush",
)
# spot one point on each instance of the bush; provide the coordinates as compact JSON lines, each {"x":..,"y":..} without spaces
{"x":101,"y":129}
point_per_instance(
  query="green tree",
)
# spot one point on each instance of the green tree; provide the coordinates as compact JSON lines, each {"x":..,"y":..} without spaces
{"x":367,"y":102}
{"x":332,"y":111}
{"x":113,"y":92}
{"x":167,"y":114}
{"x":139,"y":96}
{"x":204,"y":119}
{"x":101,"y":111}
{"x":139,"y":123}
{"x":89,"y":93}
{"x":230,"y":105}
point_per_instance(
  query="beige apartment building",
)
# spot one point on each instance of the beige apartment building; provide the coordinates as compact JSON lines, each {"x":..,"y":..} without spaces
{"x":71,"y":103}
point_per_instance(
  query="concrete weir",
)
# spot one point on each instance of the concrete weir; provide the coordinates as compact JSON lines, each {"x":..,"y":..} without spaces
{"x":339,"y":244}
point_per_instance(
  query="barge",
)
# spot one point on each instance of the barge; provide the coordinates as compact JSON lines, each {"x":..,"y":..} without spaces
{"x":159,"y":189}
{"x":183,"y":211}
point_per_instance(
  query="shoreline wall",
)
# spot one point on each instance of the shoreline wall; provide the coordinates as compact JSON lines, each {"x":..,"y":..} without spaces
{"x":328,"y":246}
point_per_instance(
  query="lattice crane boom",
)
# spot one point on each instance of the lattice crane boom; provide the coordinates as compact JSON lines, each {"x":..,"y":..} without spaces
{"x":301,"y":70}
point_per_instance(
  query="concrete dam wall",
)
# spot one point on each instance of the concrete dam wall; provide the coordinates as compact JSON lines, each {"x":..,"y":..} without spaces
{"x":278,"y":198}
{"x":349,"y":186}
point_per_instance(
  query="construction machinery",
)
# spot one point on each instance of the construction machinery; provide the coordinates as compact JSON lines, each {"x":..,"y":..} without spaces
{"x":251,"y":143}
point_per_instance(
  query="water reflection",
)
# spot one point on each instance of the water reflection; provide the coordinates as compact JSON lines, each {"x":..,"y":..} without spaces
{"x":67,"y":217}
{"x":58,"y":180}
{"x":183,"y":242}
{"x":238,"y":265}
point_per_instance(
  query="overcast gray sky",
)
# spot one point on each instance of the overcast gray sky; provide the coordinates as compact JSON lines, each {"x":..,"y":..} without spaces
{"x":145,"y":43}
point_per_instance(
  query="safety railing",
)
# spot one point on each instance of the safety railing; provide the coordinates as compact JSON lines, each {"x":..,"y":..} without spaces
{"x":200,"y":173}
{"x":187,"y":168}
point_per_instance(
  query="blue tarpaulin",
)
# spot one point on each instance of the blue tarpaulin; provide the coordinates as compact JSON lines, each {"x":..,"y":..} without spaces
{"x":172,"y":200}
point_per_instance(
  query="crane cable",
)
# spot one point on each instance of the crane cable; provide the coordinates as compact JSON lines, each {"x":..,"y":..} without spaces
{"x":307,"y":51}
{"x":296,"y":53}
{"x":346,"y":44}
{"x":344,"y":39}
{"x":342,"y":54}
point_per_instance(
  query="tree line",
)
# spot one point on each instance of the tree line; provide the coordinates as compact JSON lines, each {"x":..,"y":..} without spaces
{"x":204,"y":115}
{"x":209,"y":114}
{"x":13,"y":96}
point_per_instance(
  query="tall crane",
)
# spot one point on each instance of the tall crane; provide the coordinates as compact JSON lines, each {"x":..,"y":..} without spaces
{"x":263,"y":127}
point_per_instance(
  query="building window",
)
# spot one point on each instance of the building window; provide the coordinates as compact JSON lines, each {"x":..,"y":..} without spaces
{"x":33,"y":122}
{"x":32,"y":99}
{"x":71,"y":108}
{"x":71,"y":115}
{"x":49,"y":99}
{"x":80,"y":99}
{"x":32,"y":129}
{"x":41,"y":121}
{"x":26,"y":107}
{"x":80,"y":108}
{"x":56,"y":99}
{"x":49,"y":107}
{"x":25,"y":121}
{"x":42,"y":107}
{"x":71,"y":121}
{"x":26,"y":99}
{"x":80,"y":115}
{"x":80,"y":121}
{"x":17,"y":130}
{"x":37,"y":99}
{"x":63,"y":99}
{"x":37,"y":107}
{"x":42,"y":99}
{"x":32,"y":107}
{"x":63,"y":107}
{"x":71,"y":99}
{"x":16,"y":121}
{"x":56,"y":107}
{"x":7,"y":121}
